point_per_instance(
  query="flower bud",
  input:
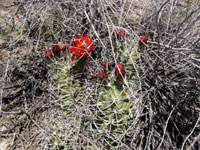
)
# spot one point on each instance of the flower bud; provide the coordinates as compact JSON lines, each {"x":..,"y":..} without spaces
{"x":48,"y":53}
{"x":103,"y":76}
{"x":106,"y":66}
{"x":56,"y":49}
{"x":143,"y":39}
{"x":119,"y":71}
{"x":94,"y":76}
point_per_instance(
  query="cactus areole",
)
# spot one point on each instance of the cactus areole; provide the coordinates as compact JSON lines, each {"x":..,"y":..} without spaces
{"x":119,"y":71}
{"x":82,"y":46}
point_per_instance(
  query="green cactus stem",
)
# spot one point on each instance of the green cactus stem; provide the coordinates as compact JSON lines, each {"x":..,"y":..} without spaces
{"x":68,"y":89}
{"x":131,"y":59}
{"x":115,"y":109}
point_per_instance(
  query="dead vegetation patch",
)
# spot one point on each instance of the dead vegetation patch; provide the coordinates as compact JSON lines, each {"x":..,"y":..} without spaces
{"x":46,"y":106}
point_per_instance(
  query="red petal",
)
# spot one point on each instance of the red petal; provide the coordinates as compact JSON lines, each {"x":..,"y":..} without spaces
{"x":82,"y":45}
{"x":73,"y":43}
{"x":73,"y":57}
{"x":77,"y":50}
{"x":78,"y":43}
{"x":78,"y":37}
{"x":88,"y":42}
{"x":84,"y":37}
{"x":91,"y":48}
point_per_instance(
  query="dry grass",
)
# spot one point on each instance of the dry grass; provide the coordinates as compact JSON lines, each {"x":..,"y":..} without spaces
{"x":48,"y":106}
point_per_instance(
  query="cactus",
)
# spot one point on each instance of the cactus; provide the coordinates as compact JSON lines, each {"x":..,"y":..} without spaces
{"x":68,"y":88}
{"x":69,"y":96}
{"x":64,"y":135}
{"x":114,"y":103}
{"x":115,"y":108}
{"x":130,"y":58}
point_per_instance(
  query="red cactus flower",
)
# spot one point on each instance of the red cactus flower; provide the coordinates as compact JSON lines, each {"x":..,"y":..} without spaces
{"x":102,"y":76}
{"x":82,"y":46}
{"x":64,"y":46}
{"x":56,"y":48}
{"x":143,"y":39}
{"x":119,"y":71}
{"x":94,"y":76}
{"x":48,"y":54}
{"x":106,"y":66}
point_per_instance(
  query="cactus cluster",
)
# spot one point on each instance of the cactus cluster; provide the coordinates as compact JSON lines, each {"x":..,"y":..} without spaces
{"x":114,"y":102}
{"x":69,"y":92}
